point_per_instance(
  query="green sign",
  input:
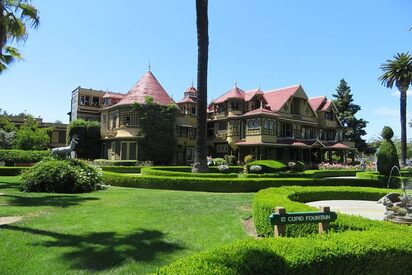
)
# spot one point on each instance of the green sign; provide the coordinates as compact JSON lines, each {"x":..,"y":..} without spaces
{"x":302,"y":217}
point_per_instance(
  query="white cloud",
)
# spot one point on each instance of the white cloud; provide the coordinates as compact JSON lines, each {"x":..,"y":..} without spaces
{"x":396,"y":93}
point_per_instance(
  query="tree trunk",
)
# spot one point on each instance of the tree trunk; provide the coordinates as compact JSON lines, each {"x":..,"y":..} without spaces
{"x":3,"y":35}
{"x":200,"y":162}
{"x":403,"y":124}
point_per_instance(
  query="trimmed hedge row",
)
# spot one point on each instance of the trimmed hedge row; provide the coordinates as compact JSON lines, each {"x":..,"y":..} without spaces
{"x":354,"y":246}
{"x":234,"y":172}
{"x":122,"y":169}
{"x":11,"y":171}
{"x":224,"y":184}
{"x":21,"y":156}
{"x":184,"y":171}
{"x":292,"y":197}
{"x":368,"y":252}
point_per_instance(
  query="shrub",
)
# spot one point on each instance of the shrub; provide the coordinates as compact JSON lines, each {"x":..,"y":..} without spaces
{"x":368,"y":252}
{"x":269,"y":166}
{"x":230,"y":159}
{"x":223,"y":168}
{"x":219,"y":161}
{"x":249,"y":158}
{"x":122,"y":169}
{"x":297,"y":166}
{"x":255,"y":169}
{"x":21,"y":156}
{"x":138,"y":163}
{"x":62,"y":176}
{"x":387,"y":157}
{"x":211,"y":182}
{"x":292,"y":197}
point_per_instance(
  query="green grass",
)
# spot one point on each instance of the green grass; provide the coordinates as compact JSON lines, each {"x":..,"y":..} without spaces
{"x":119,"y":230}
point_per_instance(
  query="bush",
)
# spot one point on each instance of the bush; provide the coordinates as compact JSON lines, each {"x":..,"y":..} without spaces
{"x":291,"y":198}
{"x":122,"y":169}
{"x":62,"y":176}
{"x":248,"y":159}
{"x":219,"y":161}
{"x":105,"y":162}
{"x":12,"y":171}
{"x":269,"y":166}
{"x":255,"y":169}
{"x":368,"y":252}
{"x":387,"y":157}
{"x":297,"y":166}
{"x":22,"y":156}
{"x":223,"y":168}
{"x":230,"y":159}
{"x":211,"y":182}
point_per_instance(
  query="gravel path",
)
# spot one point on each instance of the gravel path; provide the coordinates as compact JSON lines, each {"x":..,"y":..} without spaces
{"x":367,"y":209}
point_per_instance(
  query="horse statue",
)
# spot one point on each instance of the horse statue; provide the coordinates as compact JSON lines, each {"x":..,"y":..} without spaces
{"x":67,"y":150}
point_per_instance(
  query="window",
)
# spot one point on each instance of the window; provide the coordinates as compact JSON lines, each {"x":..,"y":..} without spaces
{"x":222,"y":125}
{"x":129,"y":118}
{"x":194,"y":110}
{"x":329,"y":115}
{"x":235,"y":105}
{"x":234,"y":127}
{"x":253,"y":123}
{"x":95,"y":101}
{"x":222,"y":148}
{"x":190,"y":153}
{"x":286,"y":130}
{"x":84,"y":100}
{"x":268,"y":127}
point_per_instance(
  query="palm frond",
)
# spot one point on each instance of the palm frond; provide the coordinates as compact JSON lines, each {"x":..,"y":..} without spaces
{"x":10,"y":55}
{"x":397,"y":71}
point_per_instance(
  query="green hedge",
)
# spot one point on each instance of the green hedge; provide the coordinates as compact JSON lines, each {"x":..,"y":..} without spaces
{"x":291,"y":198}
{"x":105,"y":162}
{"x":355,"y":245}
{"x":269,"y":166}
{"x":22,"y":156}
{"x":122,"y":169}
{"x":184,"y":171}
{"x":368,"y":252}
{"x":11,"y":171}
{"x":224,"y":184}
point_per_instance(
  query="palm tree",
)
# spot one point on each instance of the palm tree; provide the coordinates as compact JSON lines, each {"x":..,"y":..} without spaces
{"x":15,"y":17}
{"x":399,"y":72}
{"x":200,"y":163}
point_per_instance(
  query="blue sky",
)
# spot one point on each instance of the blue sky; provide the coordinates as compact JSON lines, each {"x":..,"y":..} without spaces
{"x":103,"y":44}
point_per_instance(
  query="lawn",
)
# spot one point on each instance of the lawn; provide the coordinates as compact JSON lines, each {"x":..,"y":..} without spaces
{"x":119,"y":230}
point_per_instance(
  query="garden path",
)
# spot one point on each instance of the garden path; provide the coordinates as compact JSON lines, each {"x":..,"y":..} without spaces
{"x":367,"y":209}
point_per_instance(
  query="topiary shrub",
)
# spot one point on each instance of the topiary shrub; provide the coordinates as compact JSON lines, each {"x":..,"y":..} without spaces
{"x":269,"y":166}
{"x":219,"y":161}
{"x":62,"y":176}
{"x":387,"y":156}
{"x":297,"y":166}
{"x":230,"y":159}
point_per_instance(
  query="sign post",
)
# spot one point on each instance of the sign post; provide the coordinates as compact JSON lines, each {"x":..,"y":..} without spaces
{"x":280,"y":219}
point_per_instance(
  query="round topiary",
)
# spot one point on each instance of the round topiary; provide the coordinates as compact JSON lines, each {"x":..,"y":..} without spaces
{"x":387,"y":156}
{"x":62,"y":176}
{"x":387,"y":133}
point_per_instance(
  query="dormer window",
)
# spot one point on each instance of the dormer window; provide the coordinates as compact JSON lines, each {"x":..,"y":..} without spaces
{"x":329,"y":115}
{"x":235,"y":105}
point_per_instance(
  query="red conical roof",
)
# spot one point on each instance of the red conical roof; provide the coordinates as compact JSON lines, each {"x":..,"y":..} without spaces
{"x":146,"y":86}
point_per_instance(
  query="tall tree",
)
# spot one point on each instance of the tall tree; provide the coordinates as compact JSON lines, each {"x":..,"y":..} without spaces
{"x":15,"y":17}
{"x":399,"y":72}
{"x":200,"y":163}
{"x":355,"y":128}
